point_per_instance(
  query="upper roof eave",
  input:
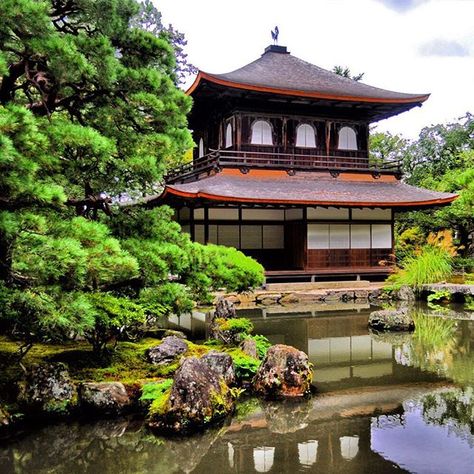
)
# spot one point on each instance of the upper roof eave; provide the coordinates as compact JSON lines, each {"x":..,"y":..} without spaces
{"x":204,"y":76}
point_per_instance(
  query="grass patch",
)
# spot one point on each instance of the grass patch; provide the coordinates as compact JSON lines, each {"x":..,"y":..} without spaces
{"x":432,"y":265}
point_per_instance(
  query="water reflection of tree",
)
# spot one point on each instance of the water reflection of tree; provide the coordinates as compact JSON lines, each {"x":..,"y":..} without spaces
{"x":454,"y":409}
{"x":439,"y":345}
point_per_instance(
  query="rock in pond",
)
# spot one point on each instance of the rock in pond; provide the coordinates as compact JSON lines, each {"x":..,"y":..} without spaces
{"x":168,"y":351}
{"x":222,"y":364}
{"x":108,"y":398}
{"x":48,"y":389}
{"x":198,"y":397}
{"x":285,"y":372}
{"x":391,"y":320}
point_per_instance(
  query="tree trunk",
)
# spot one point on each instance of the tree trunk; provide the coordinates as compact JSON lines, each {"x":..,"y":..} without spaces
{"x":6,"y":257}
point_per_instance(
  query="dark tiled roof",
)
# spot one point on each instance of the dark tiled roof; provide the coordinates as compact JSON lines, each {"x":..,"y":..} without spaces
{"x":306,"y":188}
{"x":282,"y":71}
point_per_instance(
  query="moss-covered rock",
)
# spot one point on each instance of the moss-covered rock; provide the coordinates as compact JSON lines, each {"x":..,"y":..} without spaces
{"x":198,"y":397}
{"x":285,"y":372}
{"x":48,"y":389}
{"x":168,"y":351}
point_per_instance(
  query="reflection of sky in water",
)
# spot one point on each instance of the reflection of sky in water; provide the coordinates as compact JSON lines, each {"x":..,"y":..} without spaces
{"x":421,"y":447}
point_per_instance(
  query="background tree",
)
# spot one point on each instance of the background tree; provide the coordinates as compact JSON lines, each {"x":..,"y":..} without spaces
{"x":346,"y":72}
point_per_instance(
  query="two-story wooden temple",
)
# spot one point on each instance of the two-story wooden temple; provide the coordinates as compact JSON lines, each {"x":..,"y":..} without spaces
{"x":282,"y":169}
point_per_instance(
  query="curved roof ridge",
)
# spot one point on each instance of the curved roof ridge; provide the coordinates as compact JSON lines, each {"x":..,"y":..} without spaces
{"x":284,"y":73}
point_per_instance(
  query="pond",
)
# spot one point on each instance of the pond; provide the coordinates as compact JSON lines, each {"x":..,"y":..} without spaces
{"x":384,"y":403}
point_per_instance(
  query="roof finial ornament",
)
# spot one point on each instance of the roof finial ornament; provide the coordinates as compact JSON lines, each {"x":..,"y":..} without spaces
{"x":275,"y":34}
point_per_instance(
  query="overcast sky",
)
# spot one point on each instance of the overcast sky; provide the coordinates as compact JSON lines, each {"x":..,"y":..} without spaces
{"x":413,"y":46}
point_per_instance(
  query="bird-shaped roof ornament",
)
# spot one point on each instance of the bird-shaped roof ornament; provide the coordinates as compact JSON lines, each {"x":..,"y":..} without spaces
{"x":275,"y":34}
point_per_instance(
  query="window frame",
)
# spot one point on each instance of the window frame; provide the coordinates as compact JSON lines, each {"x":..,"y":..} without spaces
{"x":305,"y":125}
{"x":263,"y":121}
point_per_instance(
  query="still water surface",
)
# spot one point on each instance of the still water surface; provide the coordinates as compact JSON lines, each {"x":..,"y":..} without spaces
{"x":384,"y":403}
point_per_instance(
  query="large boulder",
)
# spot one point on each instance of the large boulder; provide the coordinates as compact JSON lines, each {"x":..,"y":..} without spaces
{"x":48,"y":389}
{"x":285,"y":372}
{"x":107,"y":398}
{"x":198,"y":397}
{"x":391,"y":320}
{"x":222,"y":364}
{"x":168,"y":351}
{"x":405,"y":293}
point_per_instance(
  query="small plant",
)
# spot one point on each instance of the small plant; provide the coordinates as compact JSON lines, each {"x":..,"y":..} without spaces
{"x":235,"y":325}
{"x":159,"y":394}
{"x":442,"y":296}
{"x":432,"y":265}
{"x":469,"y":303}
{"x":245,"y":366}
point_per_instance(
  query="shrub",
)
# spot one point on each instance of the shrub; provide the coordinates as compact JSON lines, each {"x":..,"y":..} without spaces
{"x":235,"y":325}
{"x":245,"y":366}
{"x":432,"y":265}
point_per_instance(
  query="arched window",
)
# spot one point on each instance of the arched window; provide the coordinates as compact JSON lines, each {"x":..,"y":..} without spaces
{"x":201,"y":147}
{"x":347,"y":139}
{"x":261,"y":133}
{"x":228,"y":136}
{"x":305,"y":136}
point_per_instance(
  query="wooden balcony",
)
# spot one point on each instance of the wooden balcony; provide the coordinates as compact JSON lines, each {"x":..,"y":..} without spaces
{"x":275,"y":158}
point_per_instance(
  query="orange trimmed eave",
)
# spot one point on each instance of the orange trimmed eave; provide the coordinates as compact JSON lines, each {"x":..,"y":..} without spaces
{"x":215,"y":197}
{"x":314,"y":95}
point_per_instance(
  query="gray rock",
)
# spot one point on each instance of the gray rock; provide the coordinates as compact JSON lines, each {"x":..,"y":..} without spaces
{"x":168,"y":351}
{"x":222,"y":364}
{"x":405,"y":293}
{"x":198,"y":397}
{"x":249,"y":347}
{"x":290,"y":298}
{"x":374,"y":294}
{"x":268,"y":298}
{"x":224,"y":309}
{"x":391,"y":320}
{"x":48,"y":389}
{"x":285,"y":372}
{"x":108,"y":398}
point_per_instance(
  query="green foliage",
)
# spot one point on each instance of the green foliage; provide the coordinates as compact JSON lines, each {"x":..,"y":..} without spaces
{"x":235,"y":325}
{"x":440,"y":295}
{"x":245,"y":366}
{"x":90,"y":118}
{"x":262,"y":343}
{"x":408,"y":242}
{"x":432,"y":265}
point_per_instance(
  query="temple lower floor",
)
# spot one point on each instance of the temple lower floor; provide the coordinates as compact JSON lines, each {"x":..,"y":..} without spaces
{"x":302,"y":240}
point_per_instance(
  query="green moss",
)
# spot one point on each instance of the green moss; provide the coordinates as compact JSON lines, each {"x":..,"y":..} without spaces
{"x":155,"y":390}
{"x":159,"y":406}
{"x":245,"y":366}
{"x":197,"y":350}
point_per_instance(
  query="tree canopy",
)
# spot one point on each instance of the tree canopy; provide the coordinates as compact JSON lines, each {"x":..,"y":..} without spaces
{"x":90,"y":117}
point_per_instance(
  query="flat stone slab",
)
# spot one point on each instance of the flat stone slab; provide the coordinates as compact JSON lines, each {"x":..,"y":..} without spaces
{"x":453,"y":288}
{"x":320,"y":285}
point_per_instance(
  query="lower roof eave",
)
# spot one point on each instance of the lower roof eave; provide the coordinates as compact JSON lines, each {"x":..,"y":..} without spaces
{"x":203,"y":197}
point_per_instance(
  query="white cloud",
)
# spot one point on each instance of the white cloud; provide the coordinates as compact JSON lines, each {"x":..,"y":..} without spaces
{"x":441,"y":47}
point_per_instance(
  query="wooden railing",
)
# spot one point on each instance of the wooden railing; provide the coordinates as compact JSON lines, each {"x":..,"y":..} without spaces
{"x":291,"y":162}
